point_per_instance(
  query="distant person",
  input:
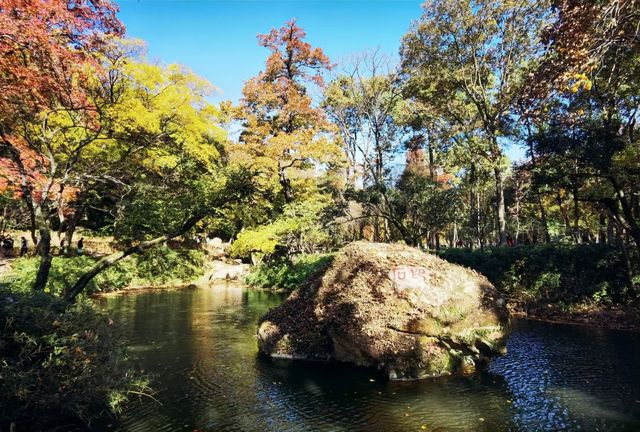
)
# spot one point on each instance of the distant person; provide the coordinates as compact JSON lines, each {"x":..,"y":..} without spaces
{"x":81,"y":246}
{"x":24,"y":246}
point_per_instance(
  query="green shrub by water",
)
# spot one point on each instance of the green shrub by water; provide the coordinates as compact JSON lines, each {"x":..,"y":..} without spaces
{"x":553,"y":273}
{"x":157,"y":266}
{"x":59,"y":364}
{"x":287,"y":274}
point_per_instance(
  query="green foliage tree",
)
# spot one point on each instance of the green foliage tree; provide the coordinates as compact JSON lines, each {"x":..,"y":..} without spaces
{"x":468,"y":61}
{"x":363,"y":102}
{"x":303,"y":227}
{"x":424,"y":206}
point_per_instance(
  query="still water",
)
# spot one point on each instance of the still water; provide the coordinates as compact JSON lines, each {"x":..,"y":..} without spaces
{"x":200,"y":348}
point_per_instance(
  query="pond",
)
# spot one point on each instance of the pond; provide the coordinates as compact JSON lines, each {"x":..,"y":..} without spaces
{"x":200,"y":347}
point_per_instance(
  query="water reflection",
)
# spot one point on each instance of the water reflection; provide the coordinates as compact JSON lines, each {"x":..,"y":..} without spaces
{"x":200,"y":346}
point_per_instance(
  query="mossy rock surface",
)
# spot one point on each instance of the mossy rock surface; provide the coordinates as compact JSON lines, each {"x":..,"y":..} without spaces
{"x":392,"y":307}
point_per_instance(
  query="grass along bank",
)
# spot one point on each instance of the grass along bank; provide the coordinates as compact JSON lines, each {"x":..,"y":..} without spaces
{"x":60,"y":364}
{"x":159,"y":266}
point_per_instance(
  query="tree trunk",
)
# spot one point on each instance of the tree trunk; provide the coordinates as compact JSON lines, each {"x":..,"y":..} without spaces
{"x":432,"y":167}
{"x":474,"y":204}
{"x":502,"y":223}
{"x":25,"y":186}
{"x":543,"y":212}
{"x":61,"y":227}
{"x":108,"y":261}
{"x":68,"y":239}
{"x":5,"y":212}
{"x":565,"y":215}
{"x":543,"y":220}
{"x":376,"y":228}
{"x":517,"y":196}
{"x":610,"y":226}
{"x":72,"y":223}
{"x":627,"y":212}
{"x":285,"y":183}
{"x":576,"y":216}
{"x":602,"y":228}
{"x":479,"y":221}
{"x":44,"y":250}
{"x":625,"y":258}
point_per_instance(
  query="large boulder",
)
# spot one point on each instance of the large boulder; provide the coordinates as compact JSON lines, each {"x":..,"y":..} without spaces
{"x":392,"y":307}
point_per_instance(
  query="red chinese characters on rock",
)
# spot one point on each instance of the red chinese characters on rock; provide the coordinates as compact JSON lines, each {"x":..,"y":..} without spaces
{"x":403,"y":273}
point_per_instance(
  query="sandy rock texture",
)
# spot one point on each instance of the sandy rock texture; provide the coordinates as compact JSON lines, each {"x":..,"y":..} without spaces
{"x":391,"y":307}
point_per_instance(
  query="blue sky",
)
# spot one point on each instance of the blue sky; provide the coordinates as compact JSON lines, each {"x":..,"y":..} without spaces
{"x":217,"y":39}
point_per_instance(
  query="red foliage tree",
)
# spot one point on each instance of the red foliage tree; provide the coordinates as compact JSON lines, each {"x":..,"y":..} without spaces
{"x":43,"y":47}
{"x":46,"y":47}
{"x":292,"y":59}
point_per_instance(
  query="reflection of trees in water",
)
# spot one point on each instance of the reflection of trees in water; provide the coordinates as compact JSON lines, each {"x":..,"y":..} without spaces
{"x":318,"y":396}
{"x":201,"y":346}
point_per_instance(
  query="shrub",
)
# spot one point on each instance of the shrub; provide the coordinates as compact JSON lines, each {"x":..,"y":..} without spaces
{"x":300,"y":228}
{"x":288,"y":274}
{"x":59,"y":363}
{"x":64,"y":272}
{"x":551,"y":272}
{"x":164,"y":265}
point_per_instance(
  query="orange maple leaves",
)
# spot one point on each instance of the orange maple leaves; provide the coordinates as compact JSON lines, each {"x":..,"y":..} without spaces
{"x":36,"y":179}
{"x":291,"y":57}
{"x":43,"y":47}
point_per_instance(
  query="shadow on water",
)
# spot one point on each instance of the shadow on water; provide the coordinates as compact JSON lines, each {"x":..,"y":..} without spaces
{"x":200,"y":347}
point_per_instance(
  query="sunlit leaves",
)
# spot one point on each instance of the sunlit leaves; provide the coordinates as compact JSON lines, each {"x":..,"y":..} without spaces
{"x":283,"y":134}
{"x":43,"y":48}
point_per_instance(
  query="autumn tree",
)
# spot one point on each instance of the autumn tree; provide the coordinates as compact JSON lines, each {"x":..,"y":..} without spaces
{"x":149,"y":141}
{"x":582,"y":36}
{"x":283,"y":132}
{"x":45,"y":47}
{"x":584,"y":103}
{"x":468,"y":60}
{"x":162,"y":153}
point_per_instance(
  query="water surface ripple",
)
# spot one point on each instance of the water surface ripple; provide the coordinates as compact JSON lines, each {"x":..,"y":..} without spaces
{"x":200,"y":348}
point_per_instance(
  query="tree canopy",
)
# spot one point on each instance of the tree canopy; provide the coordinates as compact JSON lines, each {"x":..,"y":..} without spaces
{"x":315,"y":154}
